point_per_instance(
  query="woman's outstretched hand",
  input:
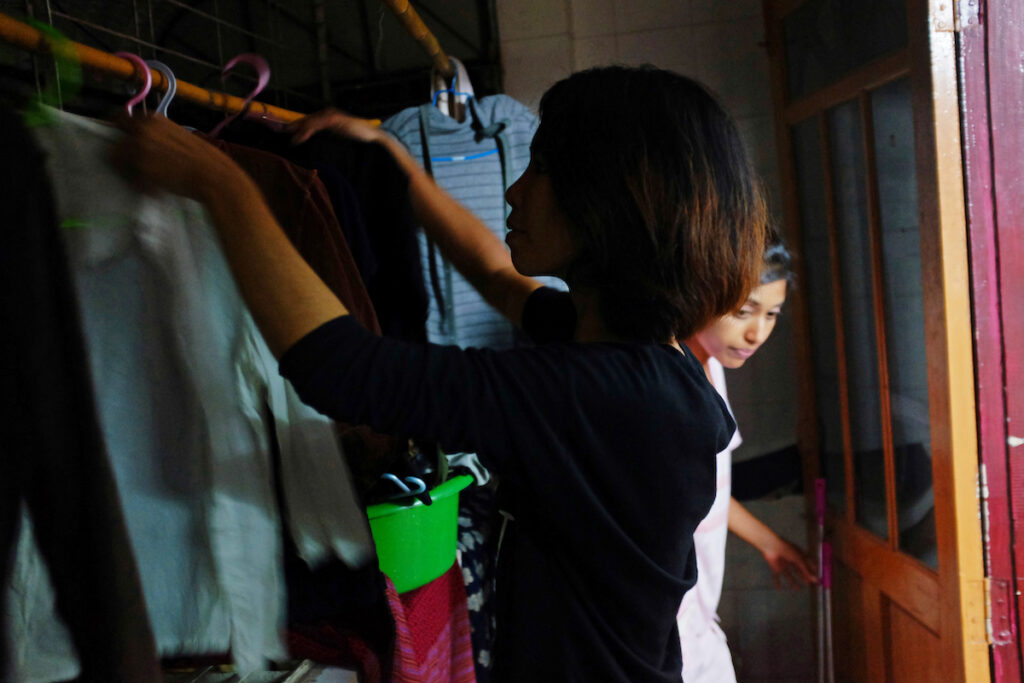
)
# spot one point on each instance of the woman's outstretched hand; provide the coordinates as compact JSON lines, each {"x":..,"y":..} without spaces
{"x":157,"y":155}
{"x":786,"y":561}
{"x":337,"y":122}
{"x":788,"y":564}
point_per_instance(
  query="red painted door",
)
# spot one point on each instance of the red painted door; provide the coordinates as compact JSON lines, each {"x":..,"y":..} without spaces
{"x":992,"y":78}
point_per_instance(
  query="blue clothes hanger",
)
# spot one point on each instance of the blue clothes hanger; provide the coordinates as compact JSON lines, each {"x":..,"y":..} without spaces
{"x":172,"y":85}
{"x":418,"y":491}
{"x":451,"y":91}
{"x":462,"y":157}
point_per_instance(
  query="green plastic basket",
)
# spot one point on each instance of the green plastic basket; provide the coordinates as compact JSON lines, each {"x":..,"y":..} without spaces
{"x":416,"y":543}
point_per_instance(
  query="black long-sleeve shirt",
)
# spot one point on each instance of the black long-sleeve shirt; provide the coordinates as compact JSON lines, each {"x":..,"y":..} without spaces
{"x":606,"y":457}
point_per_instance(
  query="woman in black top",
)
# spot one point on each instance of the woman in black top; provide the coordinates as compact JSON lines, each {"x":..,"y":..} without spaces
{"x":640,"y":196}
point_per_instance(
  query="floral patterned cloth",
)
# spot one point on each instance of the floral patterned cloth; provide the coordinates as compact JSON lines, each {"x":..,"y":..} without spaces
{"x":477,"y":545}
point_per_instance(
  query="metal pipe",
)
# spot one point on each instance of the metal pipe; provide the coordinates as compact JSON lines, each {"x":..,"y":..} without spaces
{"x":418,"y":30}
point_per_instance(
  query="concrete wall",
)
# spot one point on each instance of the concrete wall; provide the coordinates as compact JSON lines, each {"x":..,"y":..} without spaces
{"x":721,"y":43}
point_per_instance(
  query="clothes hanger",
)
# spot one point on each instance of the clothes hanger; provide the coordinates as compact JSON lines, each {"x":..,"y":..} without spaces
{"x":172,"y":85}
{"x":457,"y":102}
{"x":172,"y":88}
{"x":147,"y":79}
{"x":452,"y":98}
{"x":452,"y":95}
{"x":262,"y":79}
{"x":67,"y":83}
{"x":449,"y":90}
{"x":419,"y":490}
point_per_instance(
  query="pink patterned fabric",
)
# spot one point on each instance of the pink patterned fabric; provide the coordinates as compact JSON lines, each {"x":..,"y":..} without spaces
{"x":432,"y":637}
{"x":432,"y":643}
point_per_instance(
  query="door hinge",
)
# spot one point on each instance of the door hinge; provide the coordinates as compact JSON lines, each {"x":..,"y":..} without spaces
{"x":998,"y":597}
{"x":956,"y":16}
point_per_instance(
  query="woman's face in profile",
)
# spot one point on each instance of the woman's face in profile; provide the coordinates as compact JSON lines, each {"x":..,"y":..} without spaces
{"x":538,"y":229}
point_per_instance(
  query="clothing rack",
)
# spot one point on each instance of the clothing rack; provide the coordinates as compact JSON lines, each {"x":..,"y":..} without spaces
{"x":27,"y":37}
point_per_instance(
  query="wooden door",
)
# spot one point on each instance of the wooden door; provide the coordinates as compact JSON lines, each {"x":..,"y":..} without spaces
{"x":867,"y":118}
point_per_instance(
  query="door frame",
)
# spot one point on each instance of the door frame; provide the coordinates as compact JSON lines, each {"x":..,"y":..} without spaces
{"x":955,"y":467}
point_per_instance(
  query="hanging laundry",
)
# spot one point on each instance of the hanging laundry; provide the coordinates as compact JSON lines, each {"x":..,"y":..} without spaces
{"x":299,"y":201}
{"x":432,"y":643}
{"x":340,"y":616}
{"x":189,"y":399}
{"x":433,"y":633}
{"x":334,"y":595}
{"x":54,"y":465}
{"x":369,"y":193}
{"x":475,"y":160}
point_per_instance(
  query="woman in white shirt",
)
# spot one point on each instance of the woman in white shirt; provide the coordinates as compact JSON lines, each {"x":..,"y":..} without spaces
{"x":728,"y":343}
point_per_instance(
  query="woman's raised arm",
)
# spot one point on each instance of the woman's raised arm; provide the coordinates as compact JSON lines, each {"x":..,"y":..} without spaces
{"x":287,"y":299}
{"x":462,"y":237}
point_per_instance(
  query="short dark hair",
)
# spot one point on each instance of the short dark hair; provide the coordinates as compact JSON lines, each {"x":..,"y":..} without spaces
{"x":777,"y":262}
{"x":662,"y":200}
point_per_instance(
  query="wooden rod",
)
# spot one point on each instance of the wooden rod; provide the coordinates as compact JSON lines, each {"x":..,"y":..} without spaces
{"x":406,"y":14}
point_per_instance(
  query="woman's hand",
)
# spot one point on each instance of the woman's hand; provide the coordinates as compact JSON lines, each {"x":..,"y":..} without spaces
{"x":785,"y":559}
{"x":788,"y":563}
{"x":337,"y":122}
{"x":157,"y":155}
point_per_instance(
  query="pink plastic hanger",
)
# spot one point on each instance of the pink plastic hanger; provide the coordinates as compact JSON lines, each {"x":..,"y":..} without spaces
{"x":147,"y":79}
{"x":263,"y":77}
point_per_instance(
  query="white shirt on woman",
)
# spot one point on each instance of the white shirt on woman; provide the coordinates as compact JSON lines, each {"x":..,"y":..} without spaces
{"x":705,"y":652}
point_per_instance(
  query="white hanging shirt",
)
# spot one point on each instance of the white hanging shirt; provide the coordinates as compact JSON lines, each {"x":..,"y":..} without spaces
{"x":186,"y":389}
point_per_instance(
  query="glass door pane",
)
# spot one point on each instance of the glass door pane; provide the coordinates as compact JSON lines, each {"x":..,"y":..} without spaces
{"x":904,"y":318}
{"x":825,"y":39}
{"x":858,"y":314}
{"x":816,"y":250}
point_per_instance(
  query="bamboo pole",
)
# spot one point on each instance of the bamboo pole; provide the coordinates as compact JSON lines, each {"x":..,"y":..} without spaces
{"x":24,"y":36}
{"x":407,"y":14}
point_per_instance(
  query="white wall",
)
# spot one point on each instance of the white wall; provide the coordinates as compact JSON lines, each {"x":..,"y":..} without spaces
{"x":721,"y":43}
